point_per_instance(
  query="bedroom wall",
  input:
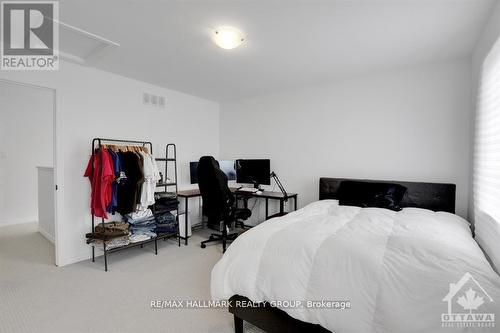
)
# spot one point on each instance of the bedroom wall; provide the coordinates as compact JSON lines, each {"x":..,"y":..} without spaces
{"x":93,"y":103}
{"x":411,"y":124}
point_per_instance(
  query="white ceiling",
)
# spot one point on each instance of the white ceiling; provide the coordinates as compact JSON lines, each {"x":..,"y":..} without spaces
{"x":288,"y":43}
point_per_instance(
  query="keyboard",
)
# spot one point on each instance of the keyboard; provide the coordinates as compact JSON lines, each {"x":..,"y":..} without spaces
{"x":248,"y":189}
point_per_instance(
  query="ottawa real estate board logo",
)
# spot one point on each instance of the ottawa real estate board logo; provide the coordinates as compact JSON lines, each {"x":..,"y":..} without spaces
{"x":466,"y":300}
{"x":29,"y":36}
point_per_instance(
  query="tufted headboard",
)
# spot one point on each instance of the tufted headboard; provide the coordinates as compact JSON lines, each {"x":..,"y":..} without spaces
{"x":433,"y":196}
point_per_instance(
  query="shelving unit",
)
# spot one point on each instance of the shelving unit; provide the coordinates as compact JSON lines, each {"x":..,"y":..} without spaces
{"x":97,"y":143}
{"x":170,"y":158}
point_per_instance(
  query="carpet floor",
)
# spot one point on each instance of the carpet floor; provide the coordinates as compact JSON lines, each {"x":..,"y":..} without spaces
{"x":37,"y":296}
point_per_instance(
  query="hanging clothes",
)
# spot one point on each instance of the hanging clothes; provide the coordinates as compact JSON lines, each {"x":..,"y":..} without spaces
{"x":117,"y":171}
{"x":151,"y":177}
{"x":122,"y":181}
{"x":141,"y":180}
{"x":101,"y":175}
{"x":129,"y":187}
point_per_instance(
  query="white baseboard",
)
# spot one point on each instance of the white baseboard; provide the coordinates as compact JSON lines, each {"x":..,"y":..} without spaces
{"x":75,"y":259}
{"x":14,"y":222}
{"x":46,"y":235}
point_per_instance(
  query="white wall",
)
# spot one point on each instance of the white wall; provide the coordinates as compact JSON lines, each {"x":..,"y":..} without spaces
{"x":93,"y":103}
{"x":26,"y":130}
{"x":411,"y":124}
{"x":488,"y":37}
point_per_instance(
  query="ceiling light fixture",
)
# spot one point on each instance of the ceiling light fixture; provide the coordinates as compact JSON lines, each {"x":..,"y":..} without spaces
{"x":227,"y":38}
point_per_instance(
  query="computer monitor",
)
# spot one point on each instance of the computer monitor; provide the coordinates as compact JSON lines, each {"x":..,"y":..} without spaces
{"x":226,"y":166}
{"x":255,"y":172}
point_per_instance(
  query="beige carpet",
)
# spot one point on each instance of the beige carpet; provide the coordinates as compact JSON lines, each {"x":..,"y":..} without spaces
{"x":37,"y":296}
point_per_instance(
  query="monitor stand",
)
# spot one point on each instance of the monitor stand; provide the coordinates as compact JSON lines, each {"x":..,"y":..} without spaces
{"x":257,"y":186}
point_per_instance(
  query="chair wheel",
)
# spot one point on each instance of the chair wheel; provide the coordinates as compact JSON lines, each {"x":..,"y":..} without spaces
{"x":203,"y":246}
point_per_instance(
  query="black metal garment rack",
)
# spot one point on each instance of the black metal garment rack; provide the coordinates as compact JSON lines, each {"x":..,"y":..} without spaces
{"x":97,"y":144}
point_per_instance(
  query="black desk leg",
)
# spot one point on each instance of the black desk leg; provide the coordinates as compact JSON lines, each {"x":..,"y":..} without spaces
{"x":186,"y":221}
{"x":238,"y":325}
{"x":267,"y":211}
{"x":178,"y":229}
{"x":105,"y":258}
{"x":295,"y":203}
{"x":282,"y":208}
{"x":224,"y":237}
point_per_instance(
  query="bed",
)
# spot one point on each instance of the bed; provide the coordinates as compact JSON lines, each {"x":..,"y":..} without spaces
{"x":396,"y":270}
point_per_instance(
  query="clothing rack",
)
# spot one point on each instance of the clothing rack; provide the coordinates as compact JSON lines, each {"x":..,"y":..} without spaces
{"x":98,"y":143}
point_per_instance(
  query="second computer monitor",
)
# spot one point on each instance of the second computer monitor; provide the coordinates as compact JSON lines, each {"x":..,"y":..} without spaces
{"x":256,"y":171}
{"x":226,"y":166}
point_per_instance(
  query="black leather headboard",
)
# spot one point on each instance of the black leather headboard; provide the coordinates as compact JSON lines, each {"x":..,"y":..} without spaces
{"x":433,"y":196}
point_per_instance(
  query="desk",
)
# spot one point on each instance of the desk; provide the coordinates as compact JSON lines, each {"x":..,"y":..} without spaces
{"x":268,"y":195}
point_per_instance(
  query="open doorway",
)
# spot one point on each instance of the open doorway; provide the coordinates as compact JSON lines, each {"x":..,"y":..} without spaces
{"x":27,"y":186}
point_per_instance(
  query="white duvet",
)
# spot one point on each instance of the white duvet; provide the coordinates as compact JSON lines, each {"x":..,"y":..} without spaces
{"x":395,"y":269}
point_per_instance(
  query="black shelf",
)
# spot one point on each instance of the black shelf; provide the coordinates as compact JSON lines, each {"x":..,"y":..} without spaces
{"x":165,"y":159}
{"x":166,"y":184}
{"x":165,"y":236}
{"x":128,"y":246}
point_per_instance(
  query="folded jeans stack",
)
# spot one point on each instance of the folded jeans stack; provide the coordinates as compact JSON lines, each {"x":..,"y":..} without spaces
{"x":166,"y":223}
{"x":165,"y":203}
{"x":142,"y":225}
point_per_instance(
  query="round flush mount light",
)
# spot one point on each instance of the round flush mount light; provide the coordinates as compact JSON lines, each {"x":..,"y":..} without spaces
{"x":227,"y":37}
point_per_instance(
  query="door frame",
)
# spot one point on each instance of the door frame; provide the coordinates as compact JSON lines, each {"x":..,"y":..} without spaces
{"x":54,"y":154}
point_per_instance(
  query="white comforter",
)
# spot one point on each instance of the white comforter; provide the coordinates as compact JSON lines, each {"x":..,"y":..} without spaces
{"x":395,"y":268}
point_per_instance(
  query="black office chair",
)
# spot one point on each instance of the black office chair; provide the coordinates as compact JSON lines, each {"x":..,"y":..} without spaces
{"x":218,"y":201}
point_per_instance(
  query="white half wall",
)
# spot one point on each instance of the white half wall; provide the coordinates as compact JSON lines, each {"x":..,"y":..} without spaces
{"x":411,"y":124}
{"x":26,"y":142}
{"x":93,"y":103}
{"x":46,"y":203}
